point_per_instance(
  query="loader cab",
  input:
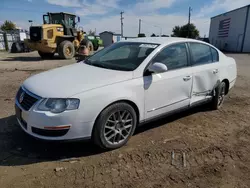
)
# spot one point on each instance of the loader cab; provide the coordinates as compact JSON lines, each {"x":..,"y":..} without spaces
{"x":68,"y":21}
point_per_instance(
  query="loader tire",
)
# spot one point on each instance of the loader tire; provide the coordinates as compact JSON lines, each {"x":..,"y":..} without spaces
{"x":88,"y":44}
{"x":66,"y":50}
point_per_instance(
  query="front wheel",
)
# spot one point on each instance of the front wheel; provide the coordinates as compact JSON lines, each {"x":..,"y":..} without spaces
{"x":66,"y":50}
{"x":218,"y":99}
{"x":114,"y":126}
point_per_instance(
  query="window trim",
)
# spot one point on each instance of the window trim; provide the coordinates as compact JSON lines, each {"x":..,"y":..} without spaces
{"x":192,"y":58}
{"x":188,"y":57}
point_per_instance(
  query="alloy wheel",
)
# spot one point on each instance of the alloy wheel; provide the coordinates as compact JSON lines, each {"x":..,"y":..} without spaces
{"x":118,"y":127}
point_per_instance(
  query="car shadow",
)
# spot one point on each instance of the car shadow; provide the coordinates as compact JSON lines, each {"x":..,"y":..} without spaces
{"x":18,"y":148}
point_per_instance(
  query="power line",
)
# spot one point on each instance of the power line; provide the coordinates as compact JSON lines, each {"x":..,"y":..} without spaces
{"x":152,"y":25}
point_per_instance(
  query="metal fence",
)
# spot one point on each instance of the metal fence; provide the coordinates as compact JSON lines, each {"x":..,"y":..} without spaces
{"x":7,"y":39}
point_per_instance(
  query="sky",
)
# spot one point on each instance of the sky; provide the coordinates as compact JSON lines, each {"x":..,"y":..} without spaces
{"x":104,"y":15}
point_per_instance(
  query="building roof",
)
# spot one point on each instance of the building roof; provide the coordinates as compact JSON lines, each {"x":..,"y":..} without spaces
{"x":160,"y":40}
{"x":106,"y":32}
{"x":115,"y":34}
{"x":230,"y":11}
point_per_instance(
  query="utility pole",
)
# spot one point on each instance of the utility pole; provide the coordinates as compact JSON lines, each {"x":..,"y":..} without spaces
{"x":122,"y":23}
{"x":189,"y":17}
{"x":139,"y":26}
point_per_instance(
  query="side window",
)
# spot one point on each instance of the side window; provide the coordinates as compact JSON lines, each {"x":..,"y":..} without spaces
{"x":215,"y":55}
{"x":174,"y":56}
{"x":201,"y":53}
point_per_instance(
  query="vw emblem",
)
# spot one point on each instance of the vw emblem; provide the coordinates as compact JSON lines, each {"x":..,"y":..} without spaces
{"x":21,"y":97}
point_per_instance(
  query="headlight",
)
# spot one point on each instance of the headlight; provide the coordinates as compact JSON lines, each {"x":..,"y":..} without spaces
{"x":60,"y":29}
{"x":58,"y":105}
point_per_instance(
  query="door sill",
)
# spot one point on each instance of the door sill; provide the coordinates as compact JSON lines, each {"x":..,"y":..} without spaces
{"x":161,"y":116}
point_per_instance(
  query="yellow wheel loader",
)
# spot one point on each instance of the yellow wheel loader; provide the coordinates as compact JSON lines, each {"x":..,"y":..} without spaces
{"x":58,"y":34}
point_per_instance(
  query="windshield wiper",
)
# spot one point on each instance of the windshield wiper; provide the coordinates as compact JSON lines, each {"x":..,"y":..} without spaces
{"x":98,"y":65}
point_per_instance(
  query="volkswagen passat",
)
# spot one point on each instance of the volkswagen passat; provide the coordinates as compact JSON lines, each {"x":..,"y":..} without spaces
{"x":130,"y":82}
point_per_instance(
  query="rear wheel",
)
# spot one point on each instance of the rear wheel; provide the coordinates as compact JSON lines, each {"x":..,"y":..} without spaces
{"x":220,"y":93}
{"x":46,"y":55}
{"x":114,"y":126}
{"x":66,"y":50}
{"x":88,"y":44}
{"x":96,"y":47}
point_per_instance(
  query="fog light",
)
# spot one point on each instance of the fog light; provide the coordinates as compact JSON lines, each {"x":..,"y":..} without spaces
{"x":60,"y":127}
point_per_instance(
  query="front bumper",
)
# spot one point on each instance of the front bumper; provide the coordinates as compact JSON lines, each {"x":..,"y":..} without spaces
{"x":42,"y":46}
{"x":52,"y":127}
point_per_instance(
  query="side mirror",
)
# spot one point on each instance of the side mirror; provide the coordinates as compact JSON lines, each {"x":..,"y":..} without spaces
{"x":78,"y":19}
{"x":158,"y":67}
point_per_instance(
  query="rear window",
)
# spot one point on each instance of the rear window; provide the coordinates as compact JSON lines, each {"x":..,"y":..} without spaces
{"x":201,"y":53}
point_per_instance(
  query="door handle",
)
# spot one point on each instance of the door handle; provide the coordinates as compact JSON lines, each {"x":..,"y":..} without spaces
{"x":186,"y":78}
{"x":215,"y":71}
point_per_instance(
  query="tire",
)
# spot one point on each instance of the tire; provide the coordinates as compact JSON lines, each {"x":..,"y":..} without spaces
{"x":88,"y":44}
{"x":106,"y":126}
{"x":46,"y":55}
{"x":219,"y":97}
{"x":66,"y":50}
{"x":96,"y":47}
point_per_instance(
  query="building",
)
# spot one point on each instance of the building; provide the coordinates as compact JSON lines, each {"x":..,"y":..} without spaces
{"x":231,"y":31}
{"x":109,"y":37}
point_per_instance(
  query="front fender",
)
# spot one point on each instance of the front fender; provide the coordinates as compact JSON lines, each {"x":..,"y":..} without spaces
{"x":94,"y":101}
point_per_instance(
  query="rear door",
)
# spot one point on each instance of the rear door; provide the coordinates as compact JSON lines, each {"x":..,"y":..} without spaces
{"x":205,"y":68}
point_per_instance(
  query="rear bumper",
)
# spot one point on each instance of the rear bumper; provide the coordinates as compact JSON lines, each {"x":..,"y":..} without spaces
{"x":232,"y":83}
{"x":40,"y":46}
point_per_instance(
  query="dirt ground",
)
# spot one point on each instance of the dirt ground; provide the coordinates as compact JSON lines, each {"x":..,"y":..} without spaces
{"x":197,"y":148}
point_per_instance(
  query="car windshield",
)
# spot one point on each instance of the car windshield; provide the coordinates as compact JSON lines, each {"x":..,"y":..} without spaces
{"x":123,"y":56}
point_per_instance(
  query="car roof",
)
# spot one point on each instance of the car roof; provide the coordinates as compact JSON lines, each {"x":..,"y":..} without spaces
{"x":161,"y":40}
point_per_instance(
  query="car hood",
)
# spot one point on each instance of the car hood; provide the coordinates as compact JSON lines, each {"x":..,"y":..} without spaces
{"x":73,"y":79}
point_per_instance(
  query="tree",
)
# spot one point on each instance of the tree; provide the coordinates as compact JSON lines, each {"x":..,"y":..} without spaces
{"x":176,"y":31}
{"x":91,"y":33}
{"x":141,"y":35}
{"x":182,"y":31}
{"x":8,"y":26}
{"x":153,"y":35}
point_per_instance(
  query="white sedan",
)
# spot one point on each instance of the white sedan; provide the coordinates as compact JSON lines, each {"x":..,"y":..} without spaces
{"x":126,"y":84}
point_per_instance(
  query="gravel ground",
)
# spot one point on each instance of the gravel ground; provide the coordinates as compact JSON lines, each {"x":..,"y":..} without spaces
{"x":196,"y":148}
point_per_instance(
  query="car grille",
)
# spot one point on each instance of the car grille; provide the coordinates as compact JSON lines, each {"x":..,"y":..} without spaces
{"x":25,"y":99}
{"x":35,"y":33}
{"x":49,"y":133}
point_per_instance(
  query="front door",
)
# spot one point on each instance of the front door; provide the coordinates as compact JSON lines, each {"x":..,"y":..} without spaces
{"x":168,"y":91}
{"x":205,"y":71}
